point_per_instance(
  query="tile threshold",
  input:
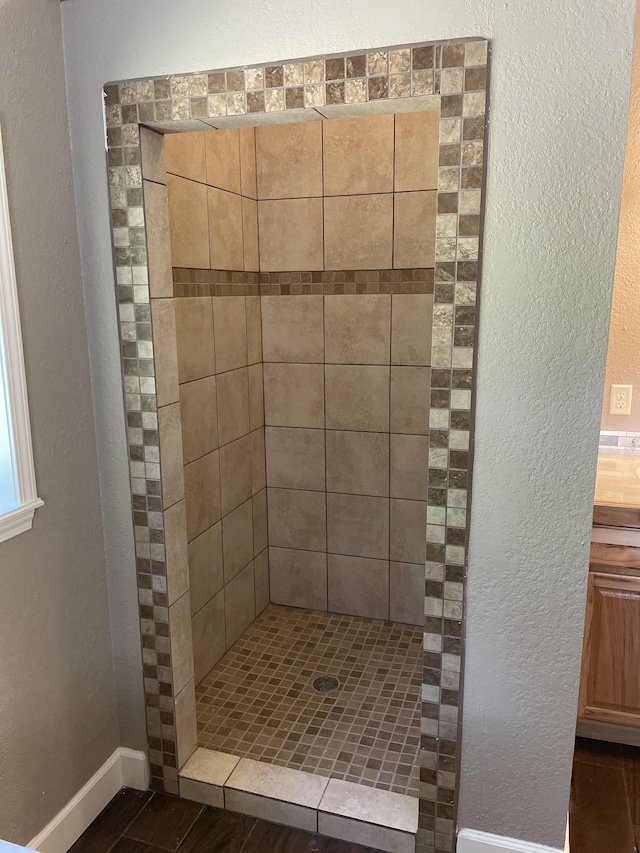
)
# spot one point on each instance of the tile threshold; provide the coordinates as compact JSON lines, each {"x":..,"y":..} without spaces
{"x":344,"y":810}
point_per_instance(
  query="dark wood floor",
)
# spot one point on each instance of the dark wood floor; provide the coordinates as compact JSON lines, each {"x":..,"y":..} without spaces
{"x":604,"y":813}
{"x":137,"y":822}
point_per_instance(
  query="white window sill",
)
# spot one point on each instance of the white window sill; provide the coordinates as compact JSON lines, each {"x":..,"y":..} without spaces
{"x":18,"y":520}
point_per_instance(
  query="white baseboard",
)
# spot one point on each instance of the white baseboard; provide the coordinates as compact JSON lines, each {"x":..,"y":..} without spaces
{"x":472,"y":841}
{"x":124,"y":768}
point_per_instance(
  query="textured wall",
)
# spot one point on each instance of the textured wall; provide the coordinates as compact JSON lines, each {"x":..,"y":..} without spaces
{"x":57,"y":702}
{"x":550,"y":245}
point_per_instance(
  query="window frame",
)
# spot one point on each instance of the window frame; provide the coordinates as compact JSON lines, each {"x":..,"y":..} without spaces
{"x":19,"y":519}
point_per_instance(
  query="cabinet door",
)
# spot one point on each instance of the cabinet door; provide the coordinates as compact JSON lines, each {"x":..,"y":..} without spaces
{"x":610,"y":680}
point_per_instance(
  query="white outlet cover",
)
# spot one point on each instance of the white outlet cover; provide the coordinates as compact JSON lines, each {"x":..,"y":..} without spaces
{"x":620,"y":400}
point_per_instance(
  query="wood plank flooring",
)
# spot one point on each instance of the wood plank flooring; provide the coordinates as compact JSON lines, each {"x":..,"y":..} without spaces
{"x":144,"y":822}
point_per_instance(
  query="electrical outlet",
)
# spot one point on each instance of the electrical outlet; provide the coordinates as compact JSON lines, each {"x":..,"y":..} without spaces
{"x":620,"y":402}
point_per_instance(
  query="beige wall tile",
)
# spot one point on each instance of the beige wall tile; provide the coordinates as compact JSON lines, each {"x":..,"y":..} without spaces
{"x":256,"y":396}
{"x":357,"y":329}
{"x":156,"y":204}
{"x":358,"y":462}
{"x":176,"y":555}
{"x":199,"y":417}
{"x":358,"y":232}
{"x":417,"y":150}
{"x":411,"y":320}
{"x":186,"y":726}
{"x":408,"y":531}
{"x":222,"y":153}
{"x":170,"y":430}
{"x":294,"y":395}
{"x":194,"y":332}
{"x":297,"y":519}
{"x":409,"y":464}
{"x":233,"y":405}
{"x":292,"y":328}
{"x":237,"y":540}
{"x":298,"y":578}
{"x":358,"y":155}
{"x":165,"y":350}
{"x":410,"y":397}
{"x":208,"y":629}
{"x":205,"y":566}
{"x":185,"y":156}
{"x":202,"y":493}
{"x":250,"y":234}
{"x":260,"y":533}
{"x":290,"y":234}
{"x":235,"y":473}
{"x":240,"y":604}
{"x":295,"y":458}
{"x":230,"y":328}
{"x":406,"y":593}
{"x":225,"y":230}
{"x":358,"y":526}
{"x":188,"y":222}
{"x":258,"y":461}
{"x":248,"y":161}
{"x":181,"y":642}
{"x":358,"y":586}
{"x":289,"y":160}
{"x":152,"y":153}
{"x":254,"y":329}
{"x":261,"y":571}
{"x":357,"y":397}
{"x":414,"y":229}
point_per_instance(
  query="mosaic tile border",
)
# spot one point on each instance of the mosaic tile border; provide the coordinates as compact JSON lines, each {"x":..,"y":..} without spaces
{"x":457,"y":72}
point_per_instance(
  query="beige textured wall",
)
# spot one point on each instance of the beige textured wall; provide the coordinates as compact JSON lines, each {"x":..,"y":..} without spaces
{"x":623,"y":354}
{"x":58,"y":719}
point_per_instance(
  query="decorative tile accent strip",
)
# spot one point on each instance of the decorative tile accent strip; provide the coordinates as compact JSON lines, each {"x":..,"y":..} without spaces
{"x":457,"y":71}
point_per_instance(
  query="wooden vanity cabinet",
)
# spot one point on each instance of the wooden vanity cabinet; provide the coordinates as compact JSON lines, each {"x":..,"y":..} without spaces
{"x":610,"y":678}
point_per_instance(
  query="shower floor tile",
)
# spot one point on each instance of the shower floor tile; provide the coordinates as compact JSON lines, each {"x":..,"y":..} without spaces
{"x":259,"y":702}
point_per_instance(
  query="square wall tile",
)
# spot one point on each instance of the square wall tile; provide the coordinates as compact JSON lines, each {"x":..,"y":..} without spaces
{"x":289,"y":160}
{"x":357,"y":397}
{"x":414,"y":229}
{"x":290,"y":234}
{"x":205,"y":566}
{"x":357,"y":329}
{"x":202,"y":494}
{"x":230,"y":328}
{"x":188,"y":222}
{"x":406,"y":590}
{"x":207,"y":628}
{"x":199,"y":417}
{"x":412,"y":316}
{"x":181,"y":642}
{"x":297,"y":519}
{"x":409,"y":466}
{"x":250,"y":234}
{"x":165,"y":351}
{"x":185,"y":155}
{"x":261,"y":572}
{"x":156,"y":204}
{"x":248,"y":162}
{"x":254,"y":329}
{"x":194,"y":332}
{"x":222,"y":152}
{"x":260,"y":532}
{"x":417,"y":150}
{"x":295,"y":458}
{"x":170,"y":431}
{"x":225,"y":230}
{"x":258,"y":461}
{"x":235,"y":473}
{"x":292,"y":328}
{"x":237,"y":540}
{"x":239,"y":604}
{"x":358,"y":462}
{"x":294,"y":395}
{"x":358,"y":526}
{"x":410,"y":397}
{"x":358,"y":586}
{"x":256,"y":396}
{"x":233,"y":404}
{"x":298,"y":578}
{"x":358,"y":155}
{"x":358,"y":232}
{"x":408,"y":531}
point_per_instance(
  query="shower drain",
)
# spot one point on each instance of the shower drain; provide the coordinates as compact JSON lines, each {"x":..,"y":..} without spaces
{"x":326,"y":683}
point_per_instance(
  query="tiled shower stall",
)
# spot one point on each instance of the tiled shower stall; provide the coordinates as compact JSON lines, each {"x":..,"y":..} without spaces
{"x":312,"y":270}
